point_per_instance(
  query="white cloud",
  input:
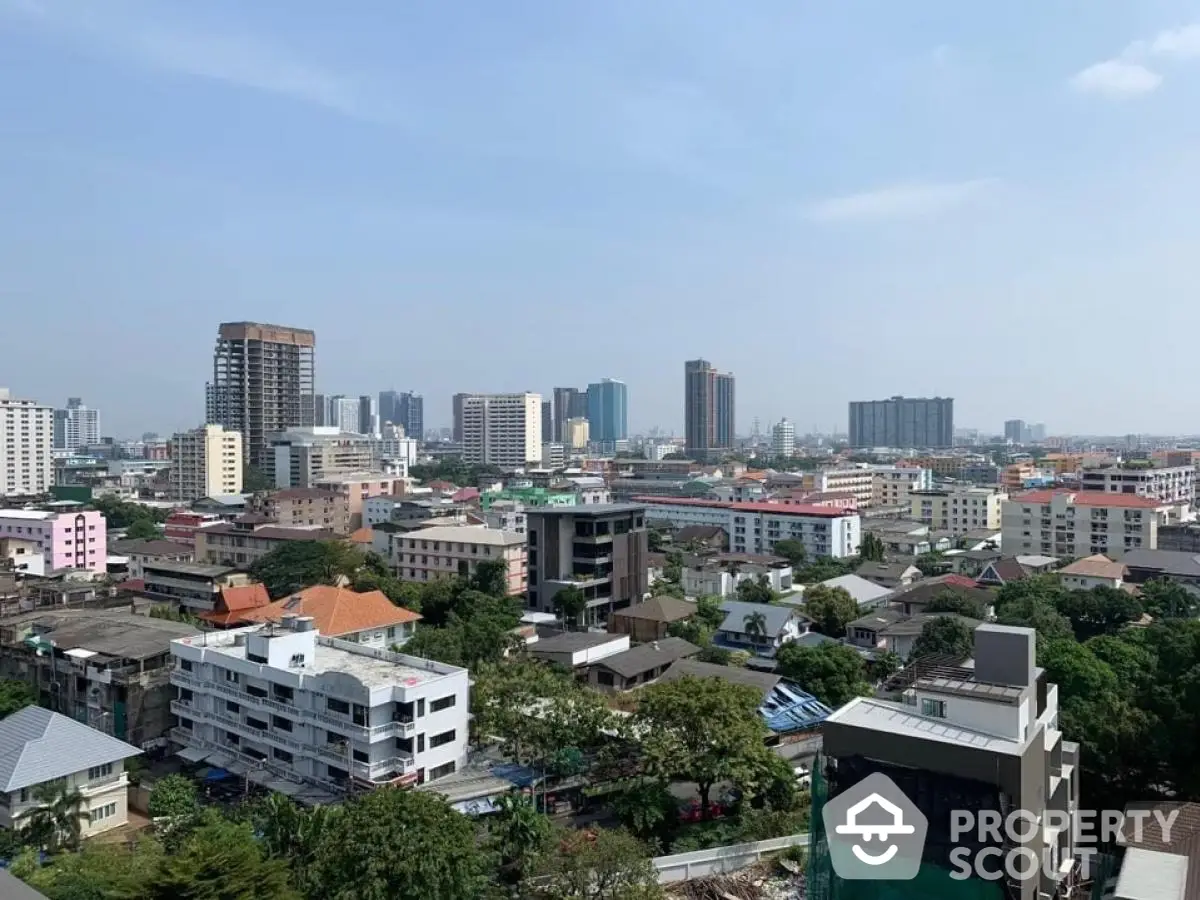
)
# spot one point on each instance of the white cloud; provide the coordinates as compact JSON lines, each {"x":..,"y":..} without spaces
{"x":1178,"y":43}
{"x":1116,"y":79}
{"x":234,"y":59}
{"x":913,"y":200}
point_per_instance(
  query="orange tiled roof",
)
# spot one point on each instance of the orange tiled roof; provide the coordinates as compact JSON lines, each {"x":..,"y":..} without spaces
{"x":362,"y":536}
{"x":1091,"y":498}
{"x":336,"y":611}
{"x":243,"y":597}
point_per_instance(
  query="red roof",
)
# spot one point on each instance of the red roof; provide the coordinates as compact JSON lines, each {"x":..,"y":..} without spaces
{"x":958,"y":581}
{"x":467,"y":493}
{"x":778,"y":509}
{"x":337,"y":611}
{"x":1091,"y":498}
{"x":362,"y":536}
{"x":246,"y":596}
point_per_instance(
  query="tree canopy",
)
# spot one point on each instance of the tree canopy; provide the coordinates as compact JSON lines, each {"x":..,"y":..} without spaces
{"x":122,"y":514}
{"x":831,"y":609}
{"x":15,"y":695}
{"x":825,"y":567}
{"x":944,"y":635}
{"x":790,"y":549}
{"x":833,"y":673}
{"x":295,"y":565}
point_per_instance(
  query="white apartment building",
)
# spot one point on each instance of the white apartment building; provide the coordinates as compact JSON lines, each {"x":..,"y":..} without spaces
{"x":297,"y":711}
{"x":959,"y":510}
{"x":857,"y":481}
{"x":205,"y":462}
{"x":1169,"y":485}
{"x":394,"y":448}
{"x":76,"y":426}
{"x":304,"y":456}
{"x":26,"y":446}
{"x":502,"y":429}
{"x":783,"y":439}
{"x":894,"y":485}
{"x":755,"y":527}
{"x":1077,"y":524}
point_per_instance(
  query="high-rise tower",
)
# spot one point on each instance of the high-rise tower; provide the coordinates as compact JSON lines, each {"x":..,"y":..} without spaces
{"x":709,"y":410}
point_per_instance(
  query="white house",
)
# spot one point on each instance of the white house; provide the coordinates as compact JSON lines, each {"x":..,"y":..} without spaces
{"x":1093,"y":571}
{"x":40,"y":747}
{"x":744,"y":630}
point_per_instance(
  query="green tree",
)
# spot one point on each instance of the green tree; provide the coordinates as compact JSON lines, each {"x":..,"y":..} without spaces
{"x":825,"y":567}
{"x":656,"y":538}
{"x":173,"y":797}
{"x":709,"y":613}
{"x":56,"y":823}
{"x":756,"y":590}
{"x":393,"y":844}
{"x":519,"y":834}
{"x":15,"y":695}
{"x":1165,"y":599}
{"x":99,"y":871}
{"x":885,"y":665}
{"x":1102,"y":610}
{"x":596,"y":865}
{"x":221,"y":860}
{"x":831,"y":609}
{"x":755,"y":624}
{"x":254,"y":481}
{"x":295,"y":565}
{"x":698,"y":729}
{"x":944,"y":635}
{"x":292,"y":833}
{"x":833,"y":673}
{"x":663,"y":588}
{"x":673,"y":569}
{"x":871,"y":549}
{"x":649,"y":810}
{"x":570,"y":604}
{"x":791,"y":550}
{"x":932,"y":563}
{"x":491,"y":578}
{"x":951,"y":601}
{"x":143,"y":530}
{"x":506,"y":697}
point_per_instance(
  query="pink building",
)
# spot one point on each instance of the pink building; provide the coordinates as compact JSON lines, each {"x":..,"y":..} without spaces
{"x":360,"y":486}
{"x":67,"y":540}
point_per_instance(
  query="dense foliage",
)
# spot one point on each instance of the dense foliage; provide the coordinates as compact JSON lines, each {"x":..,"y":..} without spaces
{"x":15,"y":695}
{"x":121,"y":514}
{"x":831,"y":609}
{"x":295,"y":565}
{"x":451,"y":469}
{"x":833,"y":673}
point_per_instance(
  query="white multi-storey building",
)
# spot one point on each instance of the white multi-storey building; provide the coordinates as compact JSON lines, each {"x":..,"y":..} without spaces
{"x":76,"y":426}
{"x":1169,"y":485}
{"x":1077,"y":524}
{"x":205,"y":462}
{"x":755,"y":527}
{"x":26,"y":451}
{"x":282,"y":701}
{"x":783,"y":439}
{"x":502,"y":429}
{"x":959,"y":510}
{"x":894,"y":485}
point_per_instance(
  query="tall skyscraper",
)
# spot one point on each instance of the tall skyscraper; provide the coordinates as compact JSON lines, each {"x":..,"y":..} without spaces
{"x":457,"y":402}
{"x":502,"y":429}
{"x":569,"y":403}
{"x":709,"y":410}
{"x":389,"y":403}
{"x":76,"y":426}
{"x":1014,"y":430}
{"x":343,"y":414}
{"x":262,"y":384}
{"x":903,"y":422}
{"x":405,"y":409}
{"x":547,"y":422}
{"x":320,"y":409}
{"x":608,"y":410}
{"x":26,"y":453}
{"x":783,"y":439}
{"x":367,"y":421}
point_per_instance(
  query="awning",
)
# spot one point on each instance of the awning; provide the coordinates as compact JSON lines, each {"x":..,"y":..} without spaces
{"x":221,"y":761}
{"x":259,"y":777}
{"x":282,"y":786}
{"x":192,"y":754}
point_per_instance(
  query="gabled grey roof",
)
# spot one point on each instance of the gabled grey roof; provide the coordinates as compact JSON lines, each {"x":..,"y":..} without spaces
{"x":37,"y":745}
{"x":735,"y":616}
{"x":690,"y":668}
{"x":645,"y":657}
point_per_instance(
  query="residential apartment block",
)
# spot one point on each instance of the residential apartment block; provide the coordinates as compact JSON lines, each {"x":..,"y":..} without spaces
{"x":26,"y":447}
{"x":323,"y":716}
{"x":247,"y":539}
{"x":908,"y":422}
{"x":454,"y":551}
{"x":895,"y":485}
{"x":358,"y":487}
{"x":306,"y":507}
{"x":709,"y":410}
{"x":1077,"y":524}
{"x":502,"y":429}
{"x":262,"y":384}
{"x":602,"y":549}
{"x":193,"y":587}
{"x":958,"y":510}
{"x":1169,"y":485}
{"x":205,"y":462}
{"x":66,"y":540}
{"x":857,"y":480}
{"x":983,"y":737}
{"x":302,"y":457}
{"x":76,"y":426}
{"x":756,"y":527}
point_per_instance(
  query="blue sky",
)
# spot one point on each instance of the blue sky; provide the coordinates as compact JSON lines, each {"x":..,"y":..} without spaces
{"x":835,"y":201}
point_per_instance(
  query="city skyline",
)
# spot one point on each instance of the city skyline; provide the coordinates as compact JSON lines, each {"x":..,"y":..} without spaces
{"x":561,"y":167}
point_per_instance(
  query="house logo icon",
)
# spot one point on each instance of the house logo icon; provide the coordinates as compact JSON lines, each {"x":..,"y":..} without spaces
{"x":874,"y":832}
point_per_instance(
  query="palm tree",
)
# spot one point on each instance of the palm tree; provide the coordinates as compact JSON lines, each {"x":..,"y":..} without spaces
{"x":755,"y":624}
{"x":519,"y":832}
{"x":57,"y":822}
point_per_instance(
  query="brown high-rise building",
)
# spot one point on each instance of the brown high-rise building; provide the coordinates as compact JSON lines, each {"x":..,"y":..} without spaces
{"x":262,"y":384}
{"x":708,"y":410}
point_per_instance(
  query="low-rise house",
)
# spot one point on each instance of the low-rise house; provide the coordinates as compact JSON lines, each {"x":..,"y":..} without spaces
{"x":700,"y":537}
{"x":971,"y":563}
{"x":907,"y":538}
{"x":40,"y":748}
{"x":577,"y":649}
{"x":866,"y":632}
{"x":234,"y":602}
{"x":1177,"y":566}
{"x":138,"y":553}
{"x":246,"y":540}
{"x":369,"y":618}
{"x":900,"y":636}
{"x":106,"y":668}
{"x":649,"y":620}
{"x":720,"y":574}
{"x":1093,"y":571}
{"x":656,"y":567}
{"x":914,"y":600}
{"x":759,"y":628}
{"x":639,"y":665}
{"x":1002,"y":572}
{"x":193,"y":586}
{"x":889,"y":575}
{"x":867,"y":594}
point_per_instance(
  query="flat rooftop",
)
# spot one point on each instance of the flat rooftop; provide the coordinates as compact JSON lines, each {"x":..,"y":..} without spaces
{"x":189,"y":568}
{"x":374,"y":668}
{"x":115,"y":633}
{"x":895,"y":718}
{"x":589,"y":509}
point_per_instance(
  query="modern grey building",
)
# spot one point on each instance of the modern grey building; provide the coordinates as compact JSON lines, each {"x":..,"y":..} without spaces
{"x":959,"y":735}
{"x":708,"y":410}
{"x":568,"y":403}
{"x":906,"y":422}
{"x":262,"y":383}
{"x":1016,"y":431}
{"x":602,"y":549}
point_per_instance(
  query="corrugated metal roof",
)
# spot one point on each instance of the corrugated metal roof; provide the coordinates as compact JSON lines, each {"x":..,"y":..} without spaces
{"x":37,"y":745}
